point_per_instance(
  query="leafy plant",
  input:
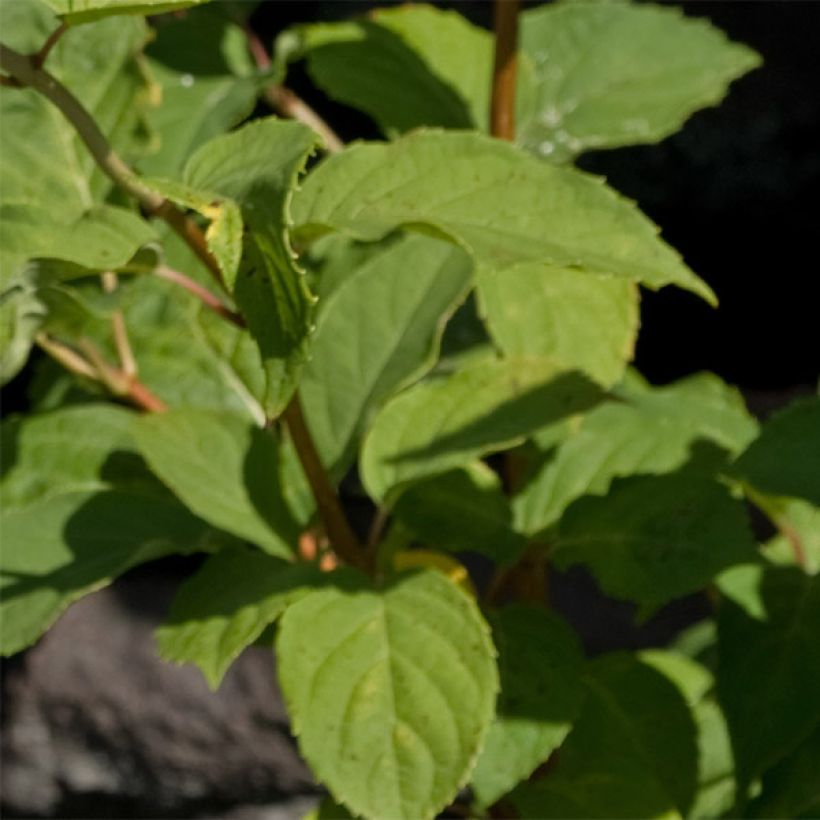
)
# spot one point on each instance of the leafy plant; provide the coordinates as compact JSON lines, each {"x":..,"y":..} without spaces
{"x":248,"y":311}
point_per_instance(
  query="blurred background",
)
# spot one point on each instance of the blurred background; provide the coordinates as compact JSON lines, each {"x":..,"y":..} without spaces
{"x":95,"y":726}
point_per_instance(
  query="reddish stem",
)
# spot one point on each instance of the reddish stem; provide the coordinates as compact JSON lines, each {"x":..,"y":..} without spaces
{"x":203,"y":294}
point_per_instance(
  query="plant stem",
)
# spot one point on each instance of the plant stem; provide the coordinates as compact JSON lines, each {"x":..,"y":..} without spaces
{"x":502,"y":109}
{"x":342,"y":539}
{"x":286,"y":102}
{"x":128,"y":363}
{"x":39,"y":57}
{"x":23,"y":69}
{"x":203,"y":294}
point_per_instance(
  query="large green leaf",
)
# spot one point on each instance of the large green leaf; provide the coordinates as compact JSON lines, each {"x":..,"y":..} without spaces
{"x":226,"y":606}
{"x":447,"y":422}
{"x":207,"y":81}
{"x":502,"y":205}
{"x":652,"y":430}
{"x":769,"y":667}
{"x":632,"y":752}
{"x":407,"y":66}
{"x":610,"y":74}
{"x":656,"y":538}
{"x":540,"y":664}
{"x":224,"y":469}
{"x":463,"y":509}
{"x":257,"y":166}
{"x":586,"y":322}
{"x":79,"y":508}
{"x":785,"y":459}
{"x":83,"y":11}
{"x":377,"y":331}
{"x":391,"y":691}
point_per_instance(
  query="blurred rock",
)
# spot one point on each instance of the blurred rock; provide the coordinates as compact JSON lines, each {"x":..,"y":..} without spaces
{"x":95,"y":725}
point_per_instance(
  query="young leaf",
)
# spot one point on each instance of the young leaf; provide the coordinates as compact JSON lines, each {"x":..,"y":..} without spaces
{"x":798,"y":521}
{"x":785,"y":459}
{"x":610,"y":74}
{"x":585,"y":322}
{"x":653,"y":430}
{"x":391,"y":691}
{"x":656,"y":538}
{"x":768,"y":621}
{"x":71,"y":478}
{"x":463,"y":509}
{"x":631,"y":753}
{"x":540,"y":664}
{"x":226,"y":606}
{"x":84,"y":11}
{"x":22,"y":313}
{"x":502,"y":205}
{"x":224,"y":469}
{"x":446,"y":423}
{"x":376,"y":332}
{"x":257,"y":166}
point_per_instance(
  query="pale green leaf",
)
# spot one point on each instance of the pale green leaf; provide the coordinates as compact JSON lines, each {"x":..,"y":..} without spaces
{"x":22,"y":314}
{"x":83,"y":11}
{"x":502,"y":205}
{"x":227,"y":604}
{"x":207,"y":81}
{"x":656,"y":538}
{"x":390,"y":691}
{"x":462,"y":510}
{"x":540,"y":664}
{"x":224,"y":469}
{"x":71,"y":479}
{"x":445,"y":423}
{"x":590,"y":323}
{"x":616,"y":73}
{"x":652,"y":430}
{"x":785,"y":459}
{"x":799,"y":523}
{"x":768,"y":620}
{"x":632,"y":752}
{"x":377,"y":331}
{"x":257,"y":166}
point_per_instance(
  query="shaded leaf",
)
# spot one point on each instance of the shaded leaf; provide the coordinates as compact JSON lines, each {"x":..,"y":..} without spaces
{"x":224,"y":469}
{"x":227,"y":604}
{"x":445,"y":423}
{"x":390,"y":691}
{"x":540,"y":664}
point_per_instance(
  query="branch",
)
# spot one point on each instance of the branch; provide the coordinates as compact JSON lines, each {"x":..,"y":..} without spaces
{"x":24,"y":70}
{"x":203,"y":294}
{"x":342,"y":539}
{"x":502,"y":109}
{"x":128,"y":363}
{"x":288,"y":103}
{"x":39,"y":57}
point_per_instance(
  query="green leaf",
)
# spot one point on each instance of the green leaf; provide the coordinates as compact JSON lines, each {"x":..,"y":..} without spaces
{"x":71,"y":478}
{"x":768,"y":621}
{"x":84,"y":11}
{"x":798,"y":521}
{"x":503,"y":206}
{"x":656,"y":538}
{"x":540,"y":664}
{"x":22,"y":314}
{"x":376,"y":332}
{"x":207,"y":81}
{"x":652,"y":430}
{"x":406,"y":67}
{"x":792,"y":788}
{"x":447,"y":422}
{"x":463,"y":509}
{"x":390,"y":691}
{"x":224,"y":469}
{"x":257,"y":166}
{"x":611,"y":74}
{"x":41,"y":150}
{"x":785,"y":459}
{"x":586,"y":322}
{"x":227,"y":604}
{"x":631,"y":753}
